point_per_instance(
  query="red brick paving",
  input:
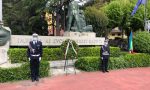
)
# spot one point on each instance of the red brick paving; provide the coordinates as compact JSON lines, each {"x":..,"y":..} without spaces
{"x":128,"y":79}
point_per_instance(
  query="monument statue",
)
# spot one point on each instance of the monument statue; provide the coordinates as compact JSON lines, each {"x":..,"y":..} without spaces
{"x":73,"y":12}
{"x":4,"y":35}
{"x":76,"y":18}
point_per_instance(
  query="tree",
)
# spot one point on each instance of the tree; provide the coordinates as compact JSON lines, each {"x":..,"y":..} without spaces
{"x":119,"y":15}
{"x":97,"y":19}
{"x":22,"y":15}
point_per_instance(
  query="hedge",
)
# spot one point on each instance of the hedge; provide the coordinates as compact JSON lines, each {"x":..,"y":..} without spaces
{"x":127,"y":61}
{"x":22,"y":72}
{"x":141,"y":42}
{"x":19,"y":55}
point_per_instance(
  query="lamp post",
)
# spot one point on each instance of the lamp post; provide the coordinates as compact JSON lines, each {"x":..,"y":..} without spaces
{"x":145,"y":15}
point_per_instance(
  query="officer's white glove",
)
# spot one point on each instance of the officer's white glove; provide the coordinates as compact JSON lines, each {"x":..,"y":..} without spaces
{"x":39,"y":58}
{"x":101,"y":58}
{"x":29,"y":59}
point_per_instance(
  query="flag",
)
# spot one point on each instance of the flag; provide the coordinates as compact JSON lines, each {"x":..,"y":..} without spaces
{"x":144,"y":1}
{"x":130,"y":42}
{"x":137,"y":5}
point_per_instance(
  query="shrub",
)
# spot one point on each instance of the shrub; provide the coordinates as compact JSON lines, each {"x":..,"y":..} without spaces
{"x":89,"y":51}
{"x":115,"y":52}
{"x":22,"y":72}
{"x":141,"y":42}
{"x":18,"y":55}
{"x":50,"y":54}
{"x":97,"y":19}
{"x":88,"y":63}
{"x":138,"y":60}
{"x":127,"y":61}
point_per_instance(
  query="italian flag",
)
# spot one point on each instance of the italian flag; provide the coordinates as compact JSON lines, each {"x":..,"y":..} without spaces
{"x":131,"y":42}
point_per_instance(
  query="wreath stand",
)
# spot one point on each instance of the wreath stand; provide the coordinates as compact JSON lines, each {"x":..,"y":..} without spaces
{"x":69,"y":43}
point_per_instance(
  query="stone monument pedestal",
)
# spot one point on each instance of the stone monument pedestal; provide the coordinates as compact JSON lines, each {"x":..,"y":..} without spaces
{"x":3,"y":53}
{"x":4,"y":49}
{"x":80,"y":34}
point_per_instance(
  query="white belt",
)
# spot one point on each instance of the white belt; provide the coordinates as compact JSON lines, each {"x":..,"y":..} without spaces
{"x":36,"y":55}
{"x":105,"y":53}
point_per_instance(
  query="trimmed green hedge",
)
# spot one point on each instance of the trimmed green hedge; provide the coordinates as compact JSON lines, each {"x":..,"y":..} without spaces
{"x":127,"y":61}
{"x":141,"y":42}
{"x":18,"y":55}
{"x":22,"y":72}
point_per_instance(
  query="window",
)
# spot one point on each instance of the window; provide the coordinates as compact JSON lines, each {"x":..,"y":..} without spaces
{"x":113,"y":34}
{"x":119,"y":34}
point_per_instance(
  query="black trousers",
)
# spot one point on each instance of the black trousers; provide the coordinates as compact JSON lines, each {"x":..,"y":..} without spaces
{"x":34,"y":67}
{"x":104,"y":65}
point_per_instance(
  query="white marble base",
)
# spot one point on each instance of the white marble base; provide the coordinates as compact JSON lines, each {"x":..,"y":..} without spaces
{"x":3,"y":53}
{"x":80,"y":34}
{"x":88,"y":34}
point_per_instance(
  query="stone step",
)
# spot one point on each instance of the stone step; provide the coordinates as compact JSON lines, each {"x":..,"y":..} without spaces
{"x":57,"y":67}
{"x":61,"y":63}
{"x":9,"y":65}
{"x":60,"y":71}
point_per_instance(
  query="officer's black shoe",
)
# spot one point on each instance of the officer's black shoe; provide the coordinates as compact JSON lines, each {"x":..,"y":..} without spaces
{"x":33,"y":80}
{"x":37,"y":79}
{"x":107,"y":71}
{"x":103,"y":71}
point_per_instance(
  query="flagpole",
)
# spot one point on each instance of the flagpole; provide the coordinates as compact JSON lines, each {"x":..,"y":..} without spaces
{"x":145,"y":14}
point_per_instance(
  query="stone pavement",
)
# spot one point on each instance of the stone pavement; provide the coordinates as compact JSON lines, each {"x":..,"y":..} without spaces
{"x":127,"y":79}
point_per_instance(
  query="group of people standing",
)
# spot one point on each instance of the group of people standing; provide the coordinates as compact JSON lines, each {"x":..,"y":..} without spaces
{"x":35,"y":50}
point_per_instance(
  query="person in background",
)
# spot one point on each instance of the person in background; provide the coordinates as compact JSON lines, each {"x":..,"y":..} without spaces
{"x":105,"y":53}
{"x":34,"y":53}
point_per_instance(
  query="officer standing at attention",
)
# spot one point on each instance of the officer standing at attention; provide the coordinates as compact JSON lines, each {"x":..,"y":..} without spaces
{"x":105,"y":53}
{"x":34,"y":53}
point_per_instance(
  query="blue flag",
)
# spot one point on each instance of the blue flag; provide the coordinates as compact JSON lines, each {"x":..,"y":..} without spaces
{"x":144,"y":1}
{"x":137,"y":5}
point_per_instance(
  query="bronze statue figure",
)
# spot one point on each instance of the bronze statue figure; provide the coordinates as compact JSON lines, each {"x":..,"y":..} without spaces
{"x":4,"y":35}
{"x":76,"y":18}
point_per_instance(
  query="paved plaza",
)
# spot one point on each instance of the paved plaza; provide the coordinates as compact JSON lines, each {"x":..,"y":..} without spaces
{"x":127,"y":79}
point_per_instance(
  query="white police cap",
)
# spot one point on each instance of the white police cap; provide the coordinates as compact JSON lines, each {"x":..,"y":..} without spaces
{"x":35,"y":35}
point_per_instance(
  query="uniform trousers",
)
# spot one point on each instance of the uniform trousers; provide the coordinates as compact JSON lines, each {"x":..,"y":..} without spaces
{"x":34,"y":67}
{"x":104,"y":64}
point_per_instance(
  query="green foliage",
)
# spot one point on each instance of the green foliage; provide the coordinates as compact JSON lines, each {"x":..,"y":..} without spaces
{"x":115,"y":52}
{"x":22,"y":72}
{"x":97,"y":19}
{"x":119,"y":15}
{"x":127,"y":61}
{"x":23,"y":16}
{"x":89,"y":51}
{"x":141,"y":42}
{"x":138,"y":60}
{"x":18,"y":55}
{"x":50,"y":54}
{"x":71,"y":53}
{"x":88,"y":63}
{"x":114,"y":13}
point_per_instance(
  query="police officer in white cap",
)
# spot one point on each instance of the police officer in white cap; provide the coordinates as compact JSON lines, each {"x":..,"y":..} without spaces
{"x":34,"y":53}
